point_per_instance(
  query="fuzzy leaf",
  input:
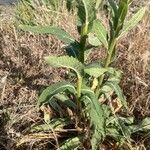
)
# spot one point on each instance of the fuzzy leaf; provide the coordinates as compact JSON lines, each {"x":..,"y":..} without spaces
{"x":86,"y":11}
{"x":70,"y":4}
{"x":120,"y":16}
{"x":73,"y":49}
{"x":100,"y":32}
{"x":54,"y":89}
{"x":54,"y":104}
{"x":118,"y":92}
{"x":59,"y":33}
{"x":96,"y":115}
{"x":65,"y":100}
{"x":98,"y":2}
{"x":66,"y":62}
{"x":93,"y":40}
{"x":58,"y":123}
{"x":144,"y":125}
{"x":129,"y":25}
{"x":114,"y":6}
{"x":95,"y":70}
{"x":70,"y":144}
{"x":114,"y":133}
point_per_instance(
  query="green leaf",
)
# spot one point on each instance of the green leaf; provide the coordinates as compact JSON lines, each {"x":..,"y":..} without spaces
{"x":65,"y":100}
{"x":122,"y":10}
{"x":58,"y":123}
{"x":73,"y":49}
{"x":70,"y":4}
{"x":96,"y":115}
{"x":86,"y":11}
{"x":54,"y":104}
{"x":100,"y":32}
{"x":98,"y":2}
{"x":114,"y":6}
{"x":118,"y":92}
{"x":114,"y":75}
{"x":59,"y":33}
{"x":129,"y":25}
{"x":120,"y":124}
{"x":144,"y":125}
{"x":95,"y":70}
{"x":120,"y":18}
{"x":93,"y":40}
{"x":87,"y":53}
{"x":54,"y":89}
{"x":70,"y":144}
{"x":114,"y":133}
{"x":126,"y":120}
{"x":66,"y":62}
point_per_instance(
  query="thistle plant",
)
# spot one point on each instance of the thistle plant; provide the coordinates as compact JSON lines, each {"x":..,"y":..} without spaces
{"x":90,"y":98}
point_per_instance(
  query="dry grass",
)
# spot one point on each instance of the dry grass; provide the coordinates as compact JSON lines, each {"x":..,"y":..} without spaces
{"x":23,"y":74}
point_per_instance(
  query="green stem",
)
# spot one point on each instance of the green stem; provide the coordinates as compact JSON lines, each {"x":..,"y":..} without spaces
{"x":84,"y":31}
{"x":107,"y":62}
{"x":79,"y":86}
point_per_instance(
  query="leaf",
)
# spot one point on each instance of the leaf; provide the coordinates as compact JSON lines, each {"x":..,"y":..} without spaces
{"x":93,"y":40}
{"x":120,"y":124}
{"x":66,"y":62}
{"x":65,"y":100}
{"x":95,"y":70}
{"x":70,"y":4}
{"x":86,"y":11}
{"x":55,"y":124}
{"x":96,"y":115}
{"x":133,"y":21}
{"x":98,"y":2}
{"x":114,"y":75}
{"x":118,"y":92}
{"x":54,"y":104}
{"x":59,"y":33}
{"x":87,"y":53}
{"x":54,"y":89}
{"x":73,"y":49}
{"x":114,"y":6}
{"x":100,"y":32}
{"x":120,"y":16}
{"x":144,"y":125}
{"x":70,"y":144}
{"x":126,"y":120}
{"x":114,"y":133}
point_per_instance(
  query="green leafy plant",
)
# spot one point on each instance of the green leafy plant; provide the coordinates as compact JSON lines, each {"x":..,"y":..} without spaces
{"x":91,"y":96}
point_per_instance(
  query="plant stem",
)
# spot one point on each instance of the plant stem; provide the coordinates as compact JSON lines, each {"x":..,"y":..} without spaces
{"x":84,"y":30}
{"x":79,"y":107}
{"x":110,"y":52}
{"x":79,"y":85}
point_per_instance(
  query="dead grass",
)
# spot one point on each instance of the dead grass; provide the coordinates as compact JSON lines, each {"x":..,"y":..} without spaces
{"x":25,"y":74}
{"x":135,"y":63}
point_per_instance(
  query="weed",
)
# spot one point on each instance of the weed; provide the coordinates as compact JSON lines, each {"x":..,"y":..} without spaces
{"x":89,"y":106}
